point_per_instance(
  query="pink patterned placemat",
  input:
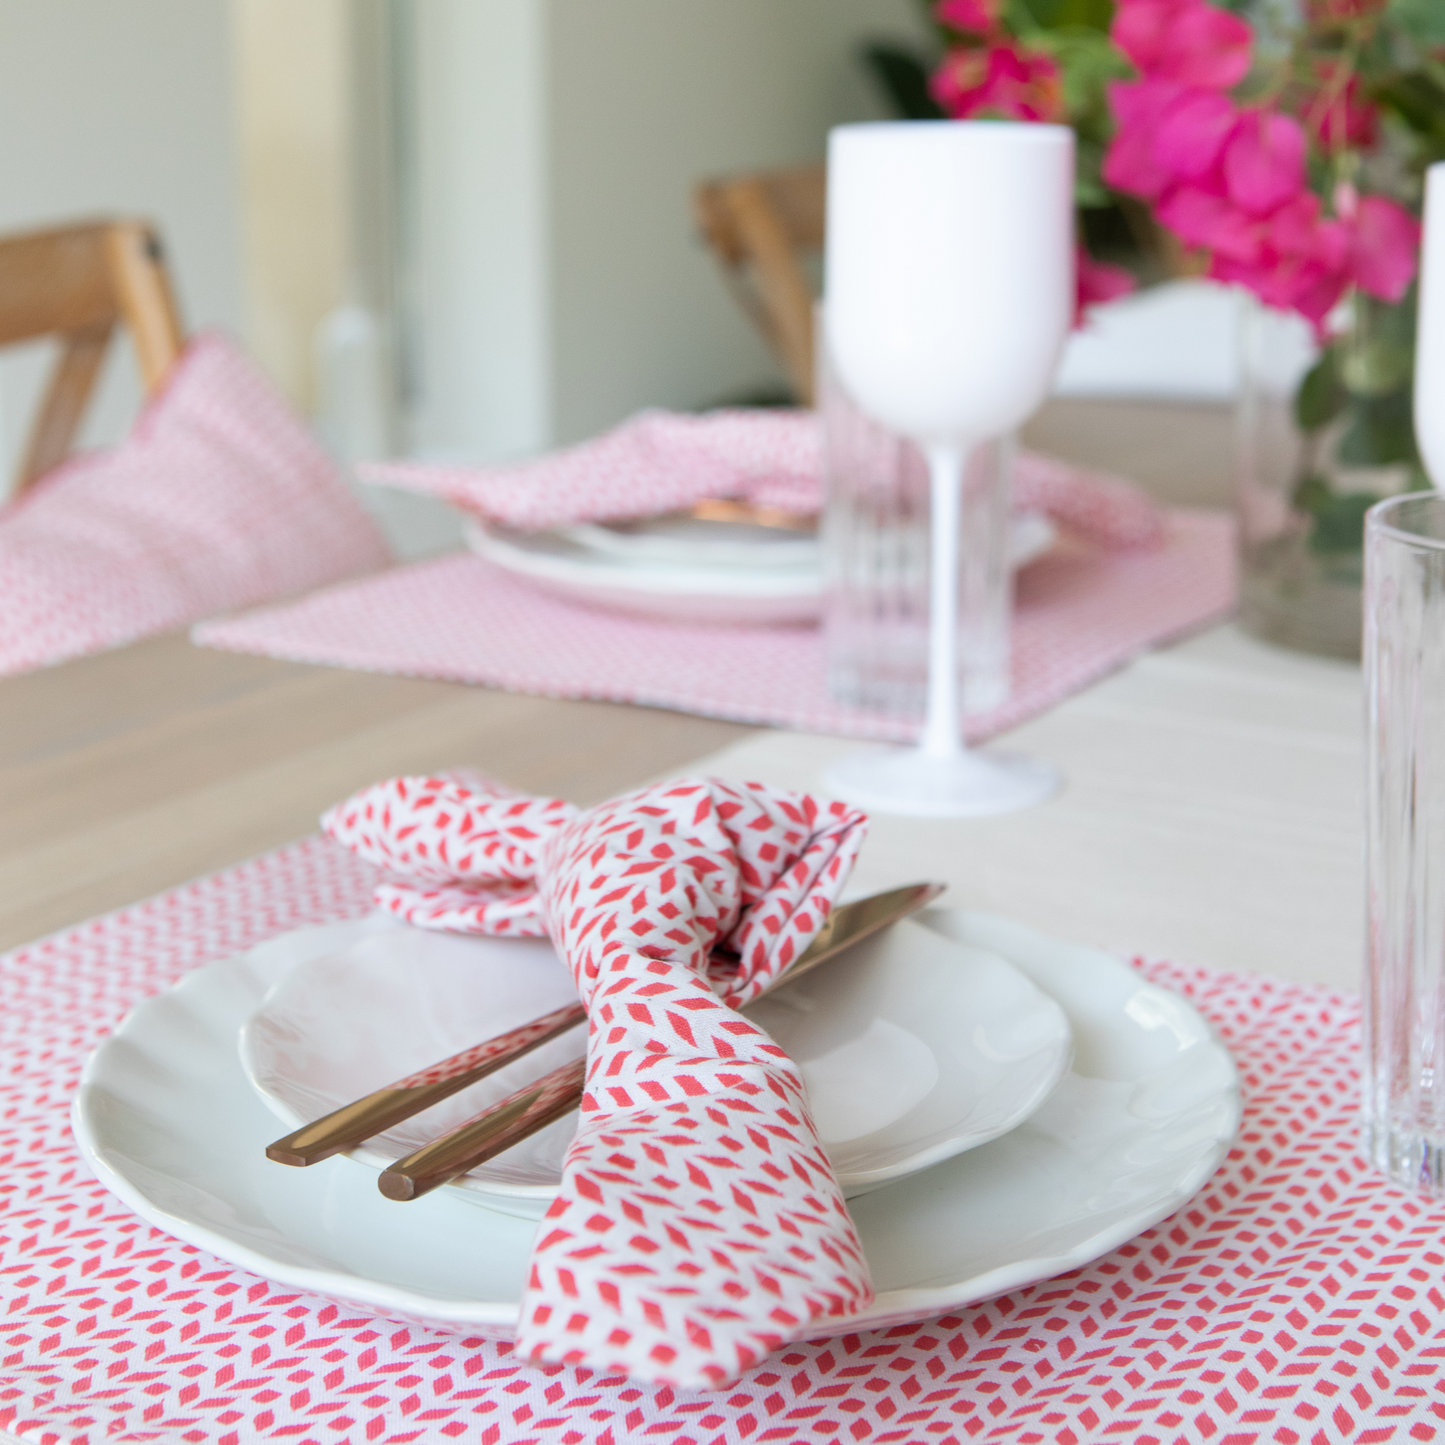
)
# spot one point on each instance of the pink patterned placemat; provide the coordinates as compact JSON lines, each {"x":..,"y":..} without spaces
{"x":1080,"y":615}
{"x":1297,"y":1298}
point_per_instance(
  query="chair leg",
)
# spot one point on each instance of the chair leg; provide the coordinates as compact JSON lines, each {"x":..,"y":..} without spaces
{"x":143,"y":293}
{"x":70,"y":386}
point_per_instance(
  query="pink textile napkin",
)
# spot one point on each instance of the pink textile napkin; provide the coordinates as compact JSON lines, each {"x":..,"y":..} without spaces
{"x":699,"y":1224}
{"x":662,"y":461}
{"x":218,"y":499}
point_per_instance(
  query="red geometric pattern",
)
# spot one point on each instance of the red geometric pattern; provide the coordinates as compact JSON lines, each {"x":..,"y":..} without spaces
{"x":662,"y":461}
{"x":468,"y":850}
{"x":1296,"y":1301}
{"x":218,"y":499}
{"x":699,"y":1223}
{"x":1079,"y":614}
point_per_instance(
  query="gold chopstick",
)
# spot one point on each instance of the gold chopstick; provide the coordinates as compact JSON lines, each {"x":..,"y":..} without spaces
{"x":517,"y":1117}
{"x":532,"y":1108}
{"x":349,"y":1125}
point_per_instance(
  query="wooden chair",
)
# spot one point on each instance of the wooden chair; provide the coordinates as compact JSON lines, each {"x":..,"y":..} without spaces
{"x":759,"y":227}
{"x":77,"y":283}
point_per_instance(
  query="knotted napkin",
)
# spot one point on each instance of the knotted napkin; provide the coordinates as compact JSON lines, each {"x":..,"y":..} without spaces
{"x":662,"y":461}
{"x":699,"y":1224}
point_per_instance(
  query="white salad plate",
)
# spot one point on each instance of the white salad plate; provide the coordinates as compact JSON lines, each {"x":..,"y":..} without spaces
{"x":166,"y":1119}
{"x":913,"y":1047}
{"x":785,"y":588}
{"x":682,"y":540}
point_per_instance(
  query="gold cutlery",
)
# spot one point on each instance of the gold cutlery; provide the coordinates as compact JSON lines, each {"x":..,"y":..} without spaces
{"x":532,"y":1108}
{"x":377,"y":1112}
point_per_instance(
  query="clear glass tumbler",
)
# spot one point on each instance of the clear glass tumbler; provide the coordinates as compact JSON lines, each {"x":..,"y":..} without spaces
{"x":1404,"y":995}
{"x":876,"y":564}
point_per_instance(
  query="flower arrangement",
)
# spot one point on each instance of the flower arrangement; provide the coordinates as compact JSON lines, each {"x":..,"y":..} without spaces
{"x":1251,"y":146}
{"x":1276,"y":145}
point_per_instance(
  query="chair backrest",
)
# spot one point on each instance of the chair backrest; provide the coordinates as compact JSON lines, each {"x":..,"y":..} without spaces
{"x":77,"y":283}
{"x":759,"y":228}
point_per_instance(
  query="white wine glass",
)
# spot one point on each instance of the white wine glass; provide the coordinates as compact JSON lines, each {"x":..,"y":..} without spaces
{"x":950,"y":291}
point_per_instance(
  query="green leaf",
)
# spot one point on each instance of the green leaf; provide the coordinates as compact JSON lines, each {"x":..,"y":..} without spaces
{"x":1311,"y":493}
{"x":1376,"y":366}
{"x":1321,"y":396}
{"x":1417,"y":99}
{"x":1339,"y":524}
{"x":1087,"y":62}
{"x":1422,"y":20}
{"x":1381,"y":432}
{"x":903,"y":78}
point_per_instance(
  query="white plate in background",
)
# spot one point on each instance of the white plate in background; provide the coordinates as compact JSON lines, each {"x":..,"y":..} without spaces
{"x":669,"y":591}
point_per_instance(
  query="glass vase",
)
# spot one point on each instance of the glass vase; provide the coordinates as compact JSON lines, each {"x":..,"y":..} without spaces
{"x":1324,"y":432}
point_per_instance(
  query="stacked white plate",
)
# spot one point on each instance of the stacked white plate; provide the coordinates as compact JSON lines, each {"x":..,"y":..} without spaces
{"x":687,"y":569}
{"x":1000,"y":1107}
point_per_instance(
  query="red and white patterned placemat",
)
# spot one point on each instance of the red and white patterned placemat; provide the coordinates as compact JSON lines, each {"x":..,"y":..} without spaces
{"x":1298,"y":1298}
{"x":1079,"y":616}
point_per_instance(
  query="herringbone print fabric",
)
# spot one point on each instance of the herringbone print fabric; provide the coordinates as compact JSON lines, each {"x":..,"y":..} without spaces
{"x":1296,"y":1301}
{"x":1080,"y":614}
{"x":699,"y":1224}
{"x":218,"y":499}
{"x":663,"y":461}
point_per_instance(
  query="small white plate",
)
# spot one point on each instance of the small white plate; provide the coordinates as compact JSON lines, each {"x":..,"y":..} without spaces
{"x":730,"y":593}
{"x":913,"y":1048}
{"x":680,"y":540}
{"x":166,"y":1119}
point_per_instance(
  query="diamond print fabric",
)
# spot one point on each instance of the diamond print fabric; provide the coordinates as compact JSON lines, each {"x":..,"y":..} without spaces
{"x":1079,"y":616}
{"x":699,"y":1224}
{"x":1296,"y":1301}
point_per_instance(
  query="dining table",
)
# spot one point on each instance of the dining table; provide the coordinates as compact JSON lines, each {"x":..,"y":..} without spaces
{"x":1212,"y":816}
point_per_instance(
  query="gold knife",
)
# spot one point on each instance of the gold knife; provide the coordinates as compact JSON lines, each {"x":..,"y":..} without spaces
{"x":532,"y":1108}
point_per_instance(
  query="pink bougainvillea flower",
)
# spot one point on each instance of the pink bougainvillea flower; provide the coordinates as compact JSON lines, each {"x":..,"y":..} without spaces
{"x":1004,"y":79}
{"x":1204,"y":219}
{"x":1336,"y":115}
{"x":1191,"y":131}
{"x":1096,"y":282}
{"x":1264,"y":161}
{"x":1386,"y":245}
{"x":977,"y":16}
{"x":1190,"y":41}
{"x":1130,"y":163}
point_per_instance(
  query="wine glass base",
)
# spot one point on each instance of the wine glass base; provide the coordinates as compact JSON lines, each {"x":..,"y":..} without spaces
{"x":909,"y":782}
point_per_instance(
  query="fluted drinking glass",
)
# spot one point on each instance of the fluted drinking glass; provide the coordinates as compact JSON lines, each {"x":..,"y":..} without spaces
{"x":1404,"y":994}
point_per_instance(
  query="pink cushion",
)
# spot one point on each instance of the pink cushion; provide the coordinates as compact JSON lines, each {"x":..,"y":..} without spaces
{"x":218,"y":499}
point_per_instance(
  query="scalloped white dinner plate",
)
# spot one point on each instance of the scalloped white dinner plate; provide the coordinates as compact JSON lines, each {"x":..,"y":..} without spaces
{"x":913,"y":1047}
{"x":167,"y":1121}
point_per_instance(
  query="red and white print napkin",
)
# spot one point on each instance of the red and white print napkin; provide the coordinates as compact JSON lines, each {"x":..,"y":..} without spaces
{"x":699,"y":1224}
{"x":662,"y":461}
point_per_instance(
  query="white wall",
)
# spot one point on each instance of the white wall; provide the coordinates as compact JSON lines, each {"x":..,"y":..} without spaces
{"x":124,"y":109}
{"x":561,"y":285}
{"x":647,"y":97}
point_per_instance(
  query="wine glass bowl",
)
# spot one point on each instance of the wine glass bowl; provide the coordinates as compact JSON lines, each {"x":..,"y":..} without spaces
{"x":949,"y":271}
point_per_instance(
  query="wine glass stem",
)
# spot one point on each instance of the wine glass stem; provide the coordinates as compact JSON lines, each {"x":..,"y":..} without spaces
{"x":942,"y":737}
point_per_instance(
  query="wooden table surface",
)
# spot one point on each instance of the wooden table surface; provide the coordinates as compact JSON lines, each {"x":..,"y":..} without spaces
{"x":124,"y":774}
